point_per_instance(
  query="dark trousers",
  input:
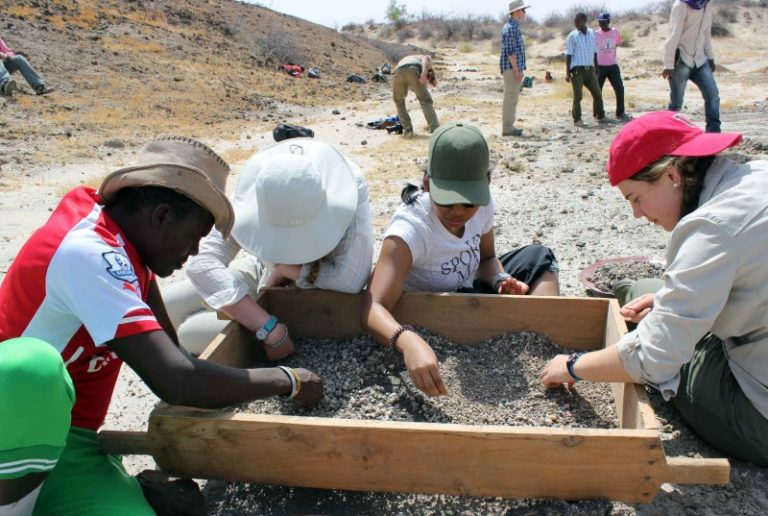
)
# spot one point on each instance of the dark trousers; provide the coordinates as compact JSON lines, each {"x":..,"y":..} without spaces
{"x":613,"y":74}
{"x":584,"y":77}
{"x":526,"y":264}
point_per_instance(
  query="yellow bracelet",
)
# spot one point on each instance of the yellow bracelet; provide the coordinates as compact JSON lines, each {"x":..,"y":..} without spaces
{"x":298,"y":383}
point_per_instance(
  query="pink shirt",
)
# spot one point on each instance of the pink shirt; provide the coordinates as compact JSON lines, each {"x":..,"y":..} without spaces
{"x":5,"y":50}
{"x":607,"y":42}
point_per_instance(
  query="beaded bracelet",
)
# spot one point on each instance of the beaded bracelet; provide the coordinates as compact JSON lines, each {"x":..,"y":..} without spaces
{"x":279,"y":342}
{"x":396,"y":335}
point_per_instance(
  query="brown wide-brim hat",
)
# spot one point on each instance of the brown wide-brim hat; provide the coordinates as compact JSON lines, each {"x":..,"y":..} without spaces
{"x":184,"y":165}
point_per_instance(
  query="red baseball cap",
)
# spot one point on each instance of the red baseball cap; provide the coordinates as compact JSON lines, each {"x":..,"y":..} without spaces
{"x":648,"y":138}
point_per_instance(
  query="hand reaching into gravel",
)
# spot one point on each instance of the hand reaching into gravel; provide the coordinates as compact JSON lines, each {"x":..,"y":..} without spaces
{"x":555,"y":373}
{"x":421,"y":362}
{"x":311,"y":391}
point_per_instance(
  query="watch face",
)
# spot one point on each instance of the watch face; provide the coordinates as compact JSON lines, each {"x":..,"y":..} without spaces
{"x":261,"y":334}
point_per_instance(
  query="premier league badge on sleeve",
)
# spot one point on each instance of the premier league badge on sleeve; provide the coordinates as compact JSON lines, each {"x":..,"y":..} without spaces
{"x":120,"y":267}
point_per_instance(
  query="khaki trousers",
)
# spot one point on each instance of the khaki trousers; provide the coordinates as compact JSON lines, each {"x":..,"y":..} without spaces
{"x":511,"y":96}
{"x":407,"y":78}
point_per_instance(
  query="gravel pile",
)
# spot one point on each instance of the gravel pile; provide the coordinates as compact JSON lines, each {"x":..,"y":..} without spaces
{"x":495,"y":383}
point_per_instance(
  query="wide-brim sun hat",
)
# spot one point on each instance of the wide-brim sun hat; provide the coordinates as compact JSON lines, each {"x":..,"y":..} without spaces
{"x":648,"y":138}
{"x":294,"y":201}
{"x":457,"y":165}
{"x":516,"y":5}
{"x":181,"y":164}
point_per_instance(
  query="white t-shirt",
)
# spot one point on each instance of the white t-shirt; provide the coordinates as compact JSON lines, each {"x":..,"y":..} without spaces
{"x":442,"y":261}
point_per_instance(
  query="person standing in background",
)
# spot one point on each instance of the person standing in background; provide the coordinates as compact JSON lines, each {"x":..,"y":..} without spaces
{"x":581,"y":68}
{"x":512,"y":62}
{"x":608,"y":40}
{"x":688,"y":55}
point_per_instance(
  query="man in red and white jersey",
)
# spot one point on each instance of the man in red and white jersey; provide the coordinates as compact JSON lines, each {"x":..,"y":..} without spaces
{"x":80,"y":298}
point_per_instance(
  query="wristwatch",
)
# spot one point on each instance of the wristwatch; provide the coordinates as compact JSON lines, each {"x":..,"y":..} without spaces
{"x":262,"y":332}
{"x":571,"y":363}
{"x":500,"y":276}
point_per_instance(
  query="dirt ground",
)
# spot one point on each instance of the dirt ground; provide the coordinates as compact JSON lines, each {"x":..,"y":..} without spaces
{"x":549,"y":187}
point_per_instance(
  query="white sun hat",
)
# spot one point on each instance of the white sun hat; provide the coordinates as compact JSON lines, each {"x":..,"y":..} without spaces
{"x":294,"y":201}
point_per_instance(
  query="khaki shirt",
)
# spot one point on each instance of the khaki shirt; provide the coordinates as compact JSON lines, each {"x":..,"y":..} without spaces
{"x":690,"y":31}
{"x":716,"y":282}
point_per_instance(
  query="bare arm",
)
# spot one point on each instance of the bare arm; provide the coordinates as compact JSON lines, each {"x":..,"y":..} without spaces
{"x":180,"y":379}
{"x":250,"y":314}
{"x":381,"y":296}
{"x":155,"y":302}
{"x":490,"y":266}
{"x":597,"y":366}
{"x":567,"y":68}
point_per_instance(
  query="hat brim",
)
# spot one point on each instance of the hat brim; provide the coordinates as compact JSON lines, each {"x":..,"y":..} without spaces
{"x":707,"y":144}
{"x":447,"y":192}
{"x":308,"y":242}
{"x":184,"y":179}
{"x":520,"y":8}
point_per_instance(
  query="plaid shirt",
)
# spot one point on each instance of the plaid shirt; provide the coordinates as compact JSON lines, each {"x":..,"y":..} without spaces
{"x":512,"y":43}
{"x":581,"y":47}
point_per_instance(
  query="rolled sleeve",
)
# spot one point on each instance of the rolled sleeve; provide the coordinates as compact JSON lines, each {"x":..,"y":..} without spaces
{"x":209,"y":272}
{"x":696,"y":287}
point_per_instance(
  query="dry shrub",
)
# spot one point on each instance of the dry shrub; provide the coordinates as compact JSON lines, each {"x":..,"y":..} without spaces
{"x":720,"y":30}
{"x":21,"y":11}
{"x":237,"y":154}
{"x":276,"y":45}
{"x":396,"y":51}
{"x":404,"y":33}
{"x":627,"y":38}
{"x":542,"y":35}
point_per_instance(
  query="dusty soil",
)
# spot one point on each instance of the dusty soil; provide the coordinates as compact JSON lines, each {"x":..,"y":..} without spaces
{"x":116,"y":90}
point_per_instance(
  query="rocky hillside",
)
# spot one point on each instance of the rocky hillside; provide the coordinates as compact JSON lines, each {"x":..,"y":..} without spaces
{"x":126,"y":69}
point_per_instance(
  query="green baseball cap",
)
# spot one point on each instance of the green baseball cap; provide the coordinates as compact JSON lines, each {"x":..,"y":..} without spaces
{"x":458,"y":165}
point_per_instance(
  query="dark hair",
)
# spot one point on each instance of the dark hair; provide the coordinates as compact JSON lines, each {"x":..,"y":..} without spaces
{"x":581,"y":16}
{"x":137,"y":196}
{"x":693,"y":170}
{"x":410,"y":193}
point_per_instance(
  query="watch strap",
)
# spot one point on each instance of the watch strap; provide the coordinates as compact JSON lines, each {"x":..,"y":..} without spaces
{"x":268,"y":326}
{"x":571,"y":362}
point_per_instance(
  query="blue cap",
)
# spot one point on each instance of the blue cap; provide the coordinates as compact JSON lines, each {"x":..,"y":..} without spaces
{"x":604,"y":17}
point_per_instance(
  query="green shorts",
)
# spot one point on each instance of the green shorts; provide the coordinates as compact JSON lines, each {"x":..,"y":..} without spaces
{"x":36,"y":399}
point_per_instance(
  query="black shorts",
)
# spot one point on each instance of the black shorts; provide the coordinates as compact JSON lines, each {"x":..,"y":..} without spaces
{"x":526,"y":264}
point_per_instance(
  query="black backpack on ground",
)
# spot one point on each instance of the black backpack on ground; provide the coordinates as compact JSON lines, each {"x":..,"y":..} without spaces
{"x":286,"y":131}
